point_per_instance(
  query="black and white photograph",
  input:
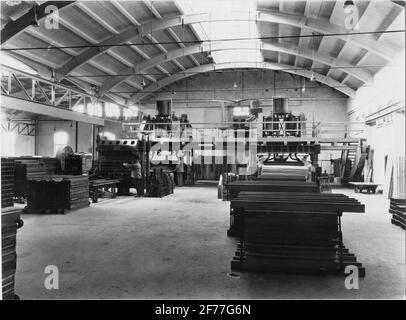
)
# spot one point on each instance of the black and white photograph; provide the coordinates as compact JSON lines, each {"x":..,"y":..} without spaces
{"x":217,"y":152}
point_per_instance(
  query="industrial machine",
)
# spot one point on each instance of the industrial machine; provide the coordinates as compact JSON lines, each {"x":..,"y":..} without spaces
{"x":112,"y":155}
{"x":283,"y":122}
{"x":166,"y":120}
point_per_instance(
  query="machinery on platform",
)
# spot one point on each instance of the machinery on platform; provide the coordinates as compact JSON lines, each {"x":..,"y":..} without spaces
{"x":113,"y":153}
{"x":283,"y":122}
{"x":165,"y":120}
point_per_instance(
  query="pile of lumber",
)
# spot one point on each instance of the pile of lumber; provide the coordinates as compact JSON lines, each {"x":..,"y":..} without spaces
{"x":226,"y":179}
{"x":55,"y":194}
{"x":398,"y":210}
{"x":170,"y":181}
{"x":292,"y":232}
{"x":283,"y":172}
{"x":7,"y":182}
{"x":10,"y":222}
{"x":28,"y":168}
{"x":160,"y":184}
{"x":234,"y":188}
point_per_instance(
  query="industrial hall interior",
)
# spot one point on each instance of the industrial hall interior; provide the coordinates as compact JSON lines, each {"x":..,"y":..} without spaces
{"x":203,"y":149}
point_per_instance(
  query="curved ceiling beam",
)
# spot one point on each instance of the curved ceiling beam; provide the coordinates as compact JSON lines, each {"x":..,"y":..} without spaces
{"x":135,"y":33}
{"x":13,"y":28}
{"x":384,"y":50}
{"x":194,"y":49}
{"x":238,"y":65}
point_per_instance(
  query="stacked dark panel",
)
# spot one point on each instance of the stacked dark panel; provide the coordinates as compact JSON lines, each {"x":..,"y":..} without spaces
{"x":259,"y":187}
{"x":7,"y":182}
{"x":160,"y":184}
{"x":28,"y":168}
{"x":398,"y":210}
{"x":293,"y":232}
{"x":284,"y":172}
{"x":10,"y":222}
{"x":55,"y":194}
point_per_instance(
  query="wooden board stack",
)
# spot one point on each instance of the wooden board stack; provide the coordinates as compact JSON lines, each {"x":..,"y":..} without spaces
{"x":227,"y":179}
{"x":160,"y":184}
{"x":398,"y":210}
{"x":293,"y":232}
{"x":10,"y":222}
{"x":283,"y":172}
{"x":259,"y":187}
{"x":7,"y":182}
{"x":271,"y":186}
{"x":28,"y":168}
{"x":55,"y":194}
{"x":170,"y":182}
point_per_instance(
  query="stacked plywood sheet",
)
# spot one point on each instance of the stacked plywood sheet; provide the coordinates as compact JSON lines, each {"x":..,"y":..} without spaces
{"x":271,"y":186}
{"x":398,"y":210}
{"x":10,"y":222}
{"x":7,"y":182}
{"x":170,"y":181}
{"x":28,"y":168}
{"x":160,"y":184}
{"x":55,"y":194}
{"x":293,"y":232}
{"x":227,"y":178}
{"x":283,"y":172}
{"x":259,"y":187}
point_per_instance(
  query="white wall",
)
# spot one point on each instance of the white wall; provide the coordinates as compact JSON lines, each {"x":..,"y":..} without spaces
{"x":388,"y":88}
{"x":18,"y":145}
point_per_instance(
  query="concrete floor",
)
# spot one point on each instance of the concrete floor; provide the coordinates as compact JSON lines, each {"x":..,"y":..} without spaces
{"x":176,"y":248}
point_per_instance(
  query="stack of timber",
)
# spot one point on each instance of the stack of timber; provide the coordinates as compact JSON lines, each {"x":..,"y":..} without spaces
{"x":10,"y":222}
{"x":227,"y":178}
{"x":7,"y":182}
{"x":55,"y":194}
{"x":170,"y":181}
{"x":160,"y":184}
{"x":293,"y":232}
{"x":189,"y":176}
{"x":398,"y":210}
{"x":28,"y":168}
{"x":236,"y":187}
{"x":283,"y":172}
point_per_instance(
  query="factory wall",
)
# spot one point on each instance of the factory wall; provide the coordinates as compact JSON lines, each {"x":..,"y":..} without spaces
{"x":47,"y":129}
{"x":25,"y":145}
{"x":388,"y":137}
{"x":318,"y":102}
{"x":21,"y":146}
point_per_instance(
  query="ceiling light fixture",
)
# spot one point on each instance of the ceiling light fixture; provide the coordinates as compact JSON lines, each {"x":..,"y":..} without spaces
{"x":143,"y":84}
{"x":53,"y":75}
{"x":235,"y":85}
{"x":312,"y":77}
{"x":34,"y":22}
{"x":348,"y":4}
